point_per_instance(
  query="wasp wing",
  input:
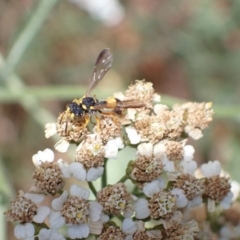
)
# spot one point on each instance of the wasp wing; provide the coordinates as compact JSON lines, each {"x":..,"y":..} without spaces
{"x":102,"y":65}
{"x":119,"y":104}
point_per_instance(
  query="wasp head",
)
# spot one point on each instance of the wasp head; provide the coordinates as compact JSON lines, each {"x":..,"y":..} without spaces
{"x":76,"y":109}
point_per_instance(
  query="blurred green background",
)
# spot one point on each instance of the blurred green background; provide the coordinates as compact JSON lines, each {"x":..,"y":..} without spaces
{"x":190,"y":50}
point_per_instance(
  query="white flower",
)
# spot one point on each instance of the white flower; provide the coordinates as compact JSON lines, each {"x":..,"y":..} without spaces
{"x":26,"y":230}
{"x":133,"y":136}
{"x":62,"y":145}
{"x":141,"y":208}
{"x":145,"y":149}
{"x":153,"y":187}
{"x":110,"y":12}
{"x":80,"y":220}
{"x":50,"y":129}
{"x":47,"y":155}
{"x":112,"y":147}
{"x":156,"y":97}
{"x":169,"y":164}
{"x":93,"y":143}
{"x":211,"y":169}
{"x":77,"y":170}
{"x":226,"y":202}
{"x":188,"y":167}
{"x":50,"y":234}
{"x":227,"y":233}
{"x":188,"y":152}
{"x":43,"y":156}
{"x":218,"y":193}
{"x":94,"y":173}
{"x":181,"y":200}
{"x":235,"y":189}
{"x":131,"y":114}
{"x":130,"y":227}
{"x":159,"y":109}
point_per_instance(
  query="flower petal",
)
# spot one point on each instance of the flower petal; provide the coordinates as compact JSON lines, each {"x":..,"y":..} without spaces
{"x":50,"y":234}
{"x":78,"y":231}
{"x":181,"y":200}
{"x":77,"y":170}
{"x":141,"y":208}
{"x":79,"y":192}
{"x":129,"y":226}
{"x":95,"y":227}
{"x":50,"y":129}
{"x":56,"y":220}
{"x":36,"y":198}
{"x":42,"y":213}
{"x":62,"y":145}
{"x":64,"y":168}
{"x":188,"y":167}
{"x":95,"y":210}
{"x":153,"y":187}
{"x":145,"y":149}
{"x":57,"y":203}
{"x":188,"y":152}
{"x":24,"y":230}
{"x":133,"y":136}
{"x":94,"y":173}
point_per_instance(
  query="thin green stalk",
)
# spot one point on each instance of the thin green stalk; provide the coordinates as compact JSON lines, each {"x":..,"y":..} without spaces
{"x":123,"y":179}
{"x":93,"y":189}
{"x":104,"y":176}
{"x":34,"y":24}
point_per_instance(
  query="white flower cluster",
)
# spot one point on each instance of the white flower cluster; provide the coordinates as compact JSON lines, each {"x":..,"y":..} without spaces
{"x":167,"y":181}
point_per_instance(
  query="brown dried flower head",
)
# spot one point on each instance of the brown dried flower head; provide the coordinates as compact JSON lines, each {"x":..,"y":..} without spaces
{"x":48,"y":178}
{"x":216,"y":187}
{"x":71,"y":129}
{"x":112,"y":233}
{"x":114,"y":199}
{"x":91,"y":152}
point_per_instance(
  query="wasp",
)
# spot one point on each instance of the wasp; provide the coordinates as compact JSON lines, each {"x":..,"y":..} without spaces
{"x":86,"y":106}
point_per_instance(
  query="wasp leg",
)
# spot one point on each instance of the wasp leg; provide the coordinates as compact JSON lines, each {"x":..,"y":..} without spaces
{"x":98,"y":123}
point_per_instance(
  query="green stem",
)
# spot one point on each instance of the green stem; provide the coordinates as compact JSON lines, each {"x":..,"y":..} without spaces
{"x":104,"y":176}
{"x":93,"y":189}
{"x":34,"y":24}
{"x":123,"y":179}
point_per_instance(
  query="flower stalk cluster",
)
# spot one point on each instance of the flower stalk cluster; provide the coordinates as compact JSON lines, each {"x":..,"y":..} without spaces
{"x":168,"y":184}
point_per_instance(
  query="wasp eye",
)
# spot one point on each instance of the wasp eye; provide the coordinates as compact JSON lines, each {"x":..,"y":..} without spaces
{"x":76,"y":109}
{"x":88,"y":101}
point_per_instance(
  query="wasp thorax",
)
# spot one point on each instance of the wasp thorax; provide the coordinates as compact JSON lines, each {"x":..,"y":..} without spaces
{"x":76,"y":109}
{"x":87,"y":102}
